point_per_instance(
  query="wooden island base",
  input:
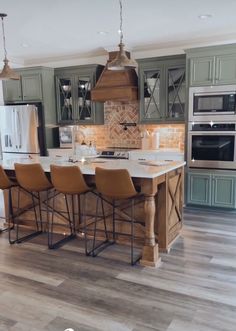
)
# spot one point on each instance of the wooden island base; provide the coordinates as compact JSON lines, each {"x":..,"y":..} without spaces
{"x":150,"y":256}
{"x":158,"y":214}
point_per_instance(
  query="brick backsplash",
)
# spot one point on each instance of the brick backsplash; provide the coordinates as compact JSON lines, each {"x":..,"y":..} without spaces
{"x":113,"y":134}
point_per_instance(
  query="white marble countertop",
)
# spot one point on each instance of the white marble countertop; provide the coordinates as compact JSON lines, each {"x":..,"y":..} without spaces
{"x":140,"y":169}
{"x":167,"y":150}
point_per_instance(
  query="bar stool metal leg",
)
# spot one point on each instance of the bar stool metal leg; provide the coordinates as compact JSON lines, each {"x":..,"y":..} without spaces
{"x":104,"y":218}
{"x":132,"y":232}
{"x":11,"y":218}
{"x":71,"y":221}
{"x":113,"y":221}
{"x":103,"y":244}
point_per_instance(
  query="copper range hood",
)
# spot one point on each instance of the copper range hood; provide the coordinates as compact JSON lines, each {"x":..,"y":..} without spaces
{"x":116,"y":85}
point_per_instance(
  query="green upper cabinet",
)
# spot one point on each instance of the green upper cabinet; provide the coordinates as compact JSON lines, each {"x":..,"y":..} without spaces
{"x":12,"y":90}
{"x":201,"y":71}
{"x":65,"y":107}
{"x":215,"y":65}
{"x":162,"y":89}
{"x":73,"y":95}
{"x":28,"y":88}
{"x":31,"y":87}
{"x":151,"y":94}
{"x":226,"y":69}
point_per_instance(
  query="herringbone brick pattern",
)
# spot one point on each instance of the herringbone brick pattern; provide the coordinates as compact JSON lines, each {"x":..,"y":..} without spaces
{"x":112,"y":134}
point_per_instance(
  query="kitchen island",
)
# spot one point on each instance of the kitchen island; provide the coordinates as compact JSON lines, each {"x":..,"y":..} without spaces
{"x":160,"y":182}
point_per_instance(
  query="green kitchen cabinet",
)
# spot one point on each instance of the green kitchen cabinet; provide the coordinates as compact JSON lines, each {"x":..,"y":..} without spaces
{"x":199,"y":189}
{"x":223,"y":191}
{"x":36,"y":85}
{"x":201,"y":71}
{"x":28,"y":88}
{"x":214,"y":65}
{"x":226,"y":69}
{"x":215,"y":188}
{"x":162,"y":89}
{"x":73,"y":95}
{"x":31,"y":87}
{"x":12,"y":90}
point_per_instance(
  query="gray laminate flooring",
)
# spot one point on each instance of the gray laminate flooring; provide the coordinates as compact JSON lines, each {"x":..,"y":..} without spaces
{"x":193,"y":290}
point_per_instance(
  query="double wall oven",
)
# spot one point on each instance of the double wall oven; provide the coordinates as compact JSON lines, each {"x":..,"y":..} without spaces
{"x":212,"y":127}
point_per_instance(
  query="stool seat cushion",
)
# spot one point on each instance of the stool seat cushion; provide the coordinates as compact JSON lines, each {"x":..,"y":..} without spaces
{"x":114,"y":183}
{"x":5,"y":182}
{"x":31,"y":177}
{"x":68,"y":179}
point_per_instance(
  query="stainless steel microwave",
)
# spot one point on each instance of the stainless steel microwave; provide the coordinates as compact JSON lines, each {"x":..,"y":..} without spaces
{"x":212,"y":103}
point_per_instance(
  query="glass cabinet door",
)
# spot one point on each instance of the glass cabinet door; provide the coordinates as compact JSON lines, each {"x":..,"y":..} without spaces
{"x":152,"y":97}
{"x":84,"y":110}
{"x":176,"y":91}
{"x":65,"y":100}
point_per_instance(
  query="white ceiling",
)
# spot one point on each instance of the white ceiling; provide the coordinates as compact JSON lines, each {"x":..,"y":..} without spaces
{"x":60,"y":29}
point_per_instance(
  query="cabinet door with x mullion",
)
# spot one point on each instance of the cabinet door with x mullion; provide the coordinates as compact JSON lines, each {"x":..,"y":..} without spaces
{"x":65,"y":98}
{"x":152,"y":94}
{"x":175,"y":92}
{"x":84,"y":106}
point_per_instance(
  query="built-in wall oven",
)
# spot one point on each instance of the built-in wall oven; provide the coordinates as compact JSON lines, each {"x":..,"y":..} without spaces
{"x":212,"y":103}
{"x":212,"y":145}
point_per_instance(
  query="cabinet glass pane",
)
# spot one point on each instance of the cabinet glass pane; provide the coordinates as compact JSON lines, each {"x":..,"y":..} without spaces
{"x":66,"y":110}
{"x":84,"y":98}
{"x":176,"y":92}
{"x":152,"y":94}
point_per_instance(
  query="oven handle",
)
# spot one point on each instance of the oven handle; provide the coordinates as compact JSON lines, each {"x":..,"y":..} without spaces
{"x":207,"y":133}
{"x":213,"y":93}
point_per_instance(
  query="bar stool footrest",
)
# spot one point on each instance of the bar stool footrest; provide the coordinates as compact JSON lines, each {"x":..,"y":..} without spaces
{"x":99,"y":248}
{"x":29,"y":236}
{"x":61,"y":242}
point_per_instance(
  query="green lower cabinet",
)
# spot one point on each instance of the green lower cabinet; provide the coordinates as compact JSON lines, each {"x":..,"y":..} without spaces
{"x":199,"y":189}
{"x":223,"y":191}
{"x":211,"y":189}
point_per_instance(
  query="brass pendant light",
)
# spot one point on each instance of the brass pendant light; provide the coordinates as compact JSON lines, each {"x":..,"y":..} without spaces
{"x":7,"y":73}
{"x":121,"y":61}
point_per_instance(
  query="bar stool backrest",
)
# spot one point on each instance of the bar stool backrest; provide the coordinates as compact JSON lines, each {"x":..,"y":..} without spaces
{"x":114,"y":183}
{"x":32,"y":177}
{"x":68,"y":180}
{"x":5,"y":182}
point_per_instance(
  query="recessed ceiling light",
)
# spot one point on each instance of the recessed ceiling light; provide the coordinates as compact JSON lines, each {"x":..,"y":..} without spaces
{"x":24,"y":45}
{"x":205,"y":16}
{"x":102,"y":33}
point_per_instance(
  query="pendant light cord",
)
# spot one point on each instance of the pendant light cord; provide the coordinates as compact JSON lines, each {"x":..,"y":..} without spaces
{"x":4,"y":39}
{"x":121,"y":23}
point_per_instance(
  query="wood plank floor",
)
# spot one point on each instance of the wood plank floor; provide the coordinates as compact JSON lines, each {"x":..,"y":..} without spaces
{"x":193,"y":290}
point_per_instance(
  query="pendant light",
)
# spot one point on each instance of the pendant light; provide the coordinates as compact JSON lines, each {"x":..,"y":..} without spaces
{"x":7,"y":73}
{"x":121,"y":62}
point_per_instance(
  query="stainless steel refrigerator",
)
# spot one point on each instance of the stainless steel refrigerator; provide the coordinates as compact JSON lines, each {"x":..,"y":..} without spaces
{"x":20,"y":129}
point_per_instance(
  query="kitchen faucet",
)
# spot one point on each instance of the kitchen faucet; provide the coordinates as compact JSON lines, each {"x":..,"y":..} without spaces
{"x":77,"y":133}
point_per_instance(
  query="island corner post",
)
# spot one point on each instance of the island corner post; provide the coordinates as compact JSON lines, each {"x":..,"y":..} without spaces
{"x":163,"y":213}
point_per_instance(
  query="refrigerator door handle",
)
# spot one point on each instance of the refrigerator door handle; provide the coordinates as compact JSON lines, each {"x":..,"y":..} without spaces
{"x":6,"y":140}
{"x":15,"y":139}
{"x":18,"y":129}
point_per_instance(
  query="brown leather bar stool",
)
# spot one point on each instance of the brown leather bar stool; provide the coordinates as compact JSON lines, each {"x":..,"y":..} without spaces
{"x":7,"y":184}
{"x":69,"y":180}
{"x":116,"y":184}
{"x":32,"y":179}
